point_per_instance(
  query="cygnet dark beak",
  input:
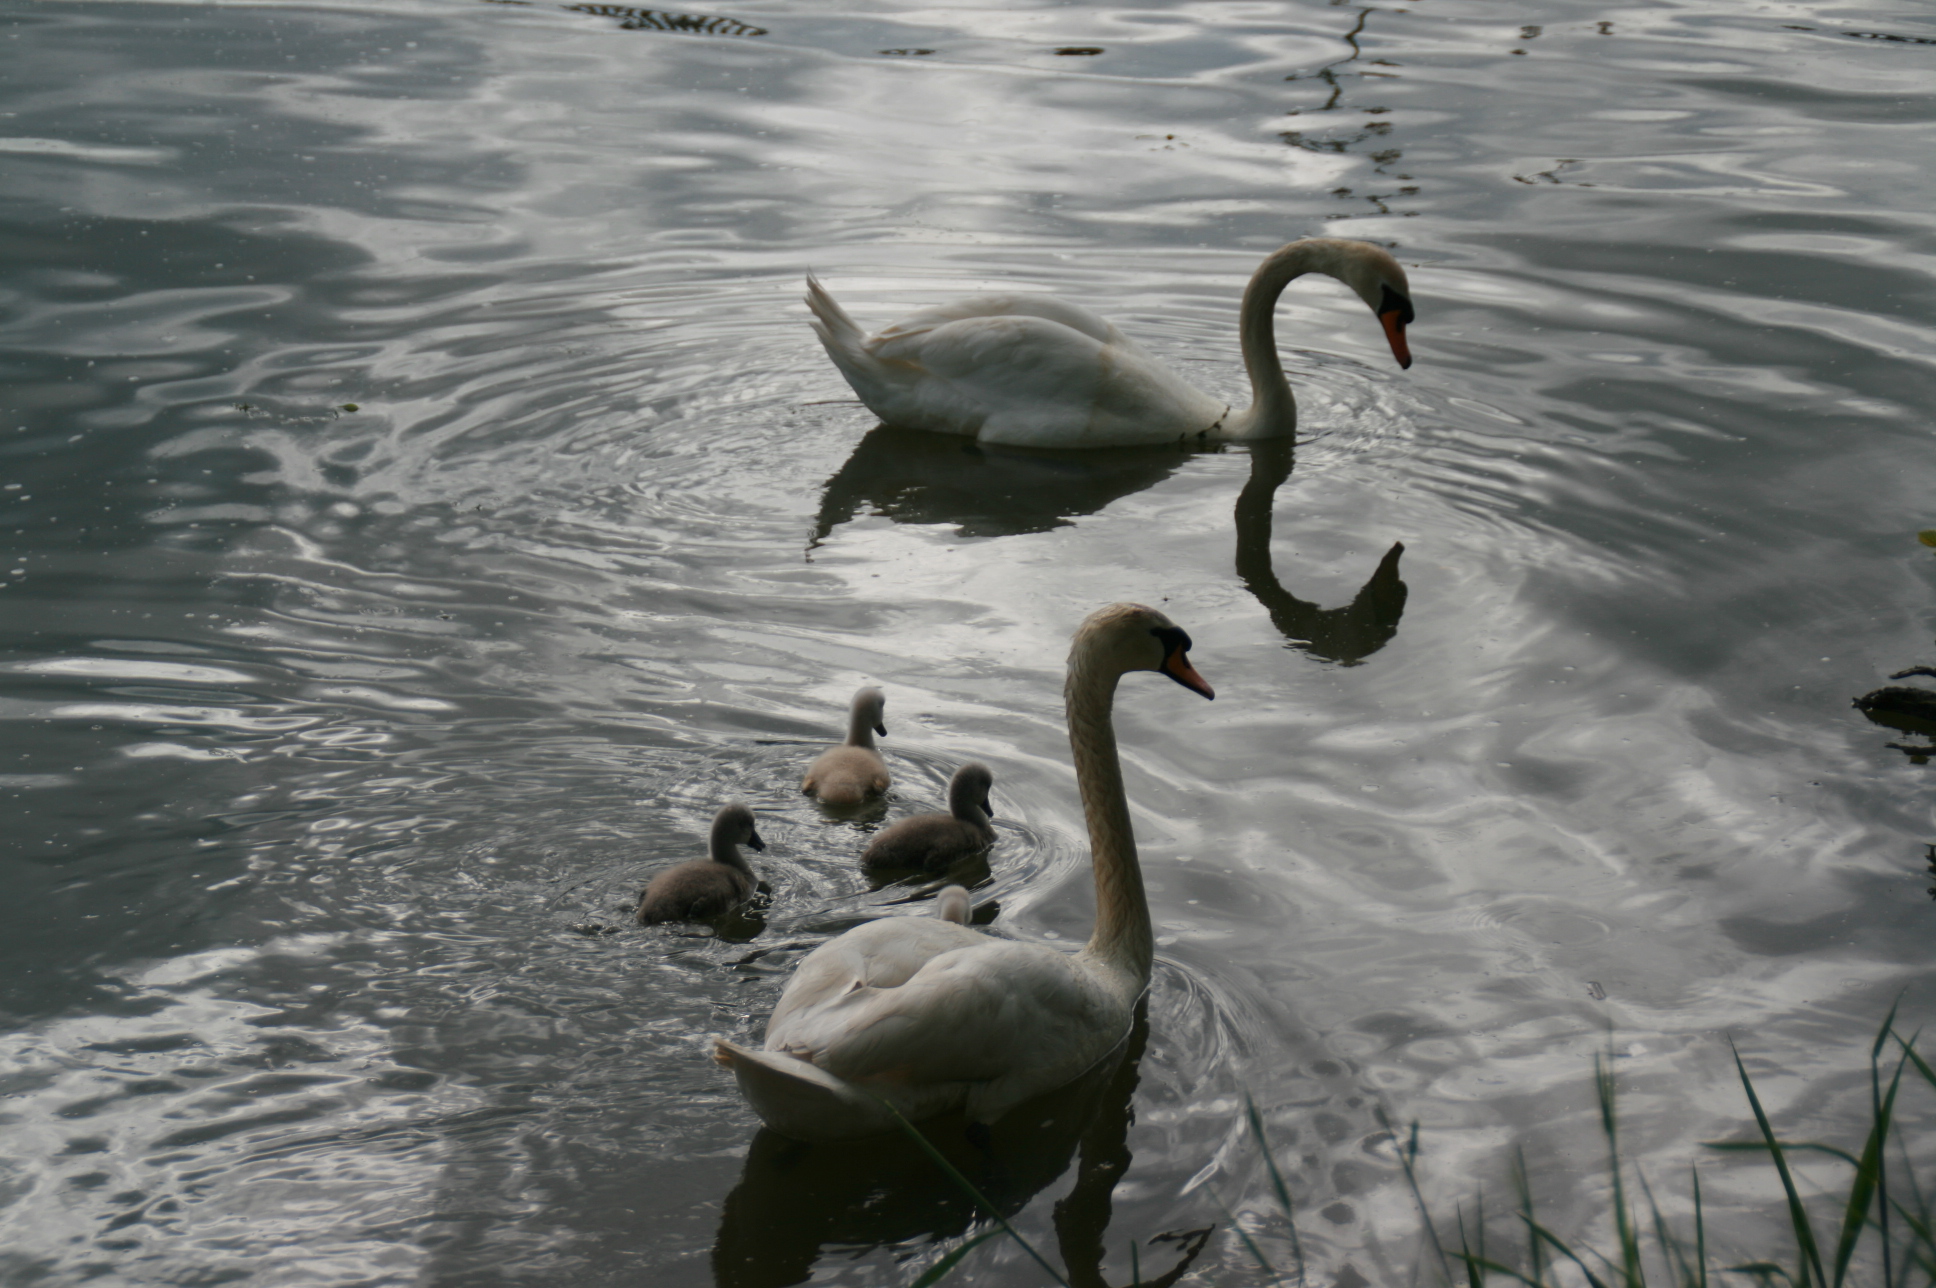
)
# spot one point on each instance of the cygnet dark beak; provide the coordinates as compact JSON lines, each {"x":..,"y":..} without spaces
{"x":755,"y":841}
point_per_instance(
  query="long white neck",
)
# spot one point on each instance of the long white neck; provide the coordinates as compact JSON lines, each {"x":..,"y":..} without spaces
{"x":1122,"y":938}
{"x":1273,"y":411}
{"x":860,"y":726}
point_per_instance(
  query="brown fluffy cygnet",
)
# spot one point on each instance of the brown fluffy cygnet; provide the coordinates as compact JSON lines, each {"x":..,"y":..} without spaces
{"x":936,"y":842}
{"x":853,"y":773}
{"x":710,"y":887}
{"x":953,"y":904}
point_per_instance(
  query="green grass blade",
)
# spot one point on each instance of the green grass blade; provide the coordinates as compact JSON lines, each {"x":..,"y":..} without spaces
{"x":1671,"y":1251}
{"x":1497,"y":1268}
{"x":1277,"y":1182}
{"x":1797,"y":1215}
{"x":1765,"y":1271}
{"x":1922,"y":1065}
{"x":1856,"y":1214}
{"x":1631,"y":1272}
{"x":1700,"y":1227}
{"x":1243,"y":1234}
{"x":1919,"y":1225}
{"x":968,"y":1187}
{"x":1882,"y":1154}
{"x":1135,"y":1267}
{"x":1522,"y":1182}
{"x":1475,"y":1274}
{"x":1917,"y":1220}
{"x":1786,"y":1146}
{"x":1558,"y":1245}
{"x":1479,"y":1223}
{"x":1408,"y":1158}
{"x":1888,"y":1028}
{"x":935,"y":1272}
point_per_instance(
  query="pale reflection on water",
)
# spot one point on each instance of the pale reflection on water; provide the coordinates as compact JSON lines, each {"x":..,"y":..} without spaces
{"x":425,"y":504}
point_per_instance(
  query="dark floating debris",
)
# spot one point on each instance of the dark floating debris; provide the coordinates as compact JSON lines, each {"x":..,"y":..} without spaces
{"x":1902,"y":702}
{"x":1913,"y":711}
{"x":1078,"y":51}
{"x":630,"y":19}
{"x":906,"y":53}
{"x":1893,"y":39}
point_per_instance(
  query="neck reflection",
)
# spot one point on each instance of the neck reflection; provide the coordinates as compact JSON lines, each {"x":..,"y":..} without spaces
{"x":1345,"y":635}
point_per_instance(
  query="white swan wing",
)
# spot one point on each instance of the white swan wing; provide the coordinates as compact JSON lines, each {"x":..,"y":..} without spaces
{"x":1046,"y":307}
{"x":880,"y":954}
{"x":1034,"y":382}
{"x":979,"y":1013}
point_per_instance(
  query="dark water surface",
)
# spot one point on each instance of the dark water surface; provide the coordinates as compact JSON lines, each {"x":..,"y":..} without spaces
{"x":424,"y":504}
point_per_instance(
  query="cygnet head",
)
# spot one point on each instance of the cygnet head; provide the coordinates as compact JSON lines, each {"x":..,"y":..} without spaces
{"x":1134,"y":637}
{"x":953,"y":904}
{"x":970,"y":787}
{"x":733,"y":827}
{"x":869,"y":710}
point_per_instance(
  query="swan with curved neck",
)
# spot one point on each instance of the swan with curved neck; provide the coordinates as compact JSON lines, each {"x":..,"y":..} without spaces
{"x":712,"y":886}
{"x":930,"y":1015}
{"x":1034,"y":371}
{"x":937,"y":842}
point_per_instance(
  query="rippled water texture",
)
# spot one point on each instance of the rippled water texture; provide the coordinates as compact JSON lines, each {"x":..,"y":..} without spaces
{"x":425,"y":504}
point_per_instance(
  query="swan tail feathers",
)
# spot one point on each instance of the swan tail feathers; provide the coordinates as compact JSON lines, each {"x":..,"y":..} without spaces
{"x":840,"y":333}
{"x":800,"y":1100}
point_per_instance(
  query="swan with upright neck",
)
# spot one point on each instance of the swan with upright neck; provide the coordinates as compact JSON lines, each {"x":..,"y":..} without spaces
{"x":1034,"y":371}
{"x":709,"y":887}
{"x":853,"y":773}
{"x":937,"y":842}
{"x":925,"y":1014}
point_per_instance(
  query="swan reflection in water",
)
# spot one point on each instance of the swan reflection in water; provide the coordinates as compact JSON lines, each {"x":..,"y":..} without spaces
{"x":794,"y":1199}
{"x":1345,"y":635}
{"x":986,"y":490}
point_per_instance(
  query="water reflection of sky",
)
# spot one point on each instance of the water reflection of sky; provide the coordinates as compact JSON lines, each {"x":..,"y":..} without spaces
{"x":425,"y":504}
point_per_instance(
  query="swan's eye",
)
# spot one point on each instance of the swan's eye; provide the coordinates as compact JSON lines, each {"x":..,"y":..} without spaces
{"x":1393,"y":302}
{"x":1172,"y":638}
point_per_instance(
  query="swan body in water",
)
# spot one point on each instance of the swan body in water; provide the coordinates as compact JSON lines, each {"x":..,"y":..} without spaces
{"x":936,"y":842}
{"x":1034,"y":371}
{"x":927,"y":1014}
{"x":712,"y":886}
{"x":853,"y":773}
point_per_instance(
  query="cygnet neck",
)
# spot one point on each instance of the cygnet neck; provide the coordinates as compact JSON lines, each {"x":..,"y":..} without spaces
{"x":1122,"y":936}
{"x":723,"y":847}
{"x":860,"y":725}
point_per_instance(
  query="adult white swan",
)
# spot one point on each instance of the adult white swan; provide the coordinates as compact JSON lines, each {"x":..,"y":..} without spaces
{"x":1035,"y":371}
{"x":929,"y":1015}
